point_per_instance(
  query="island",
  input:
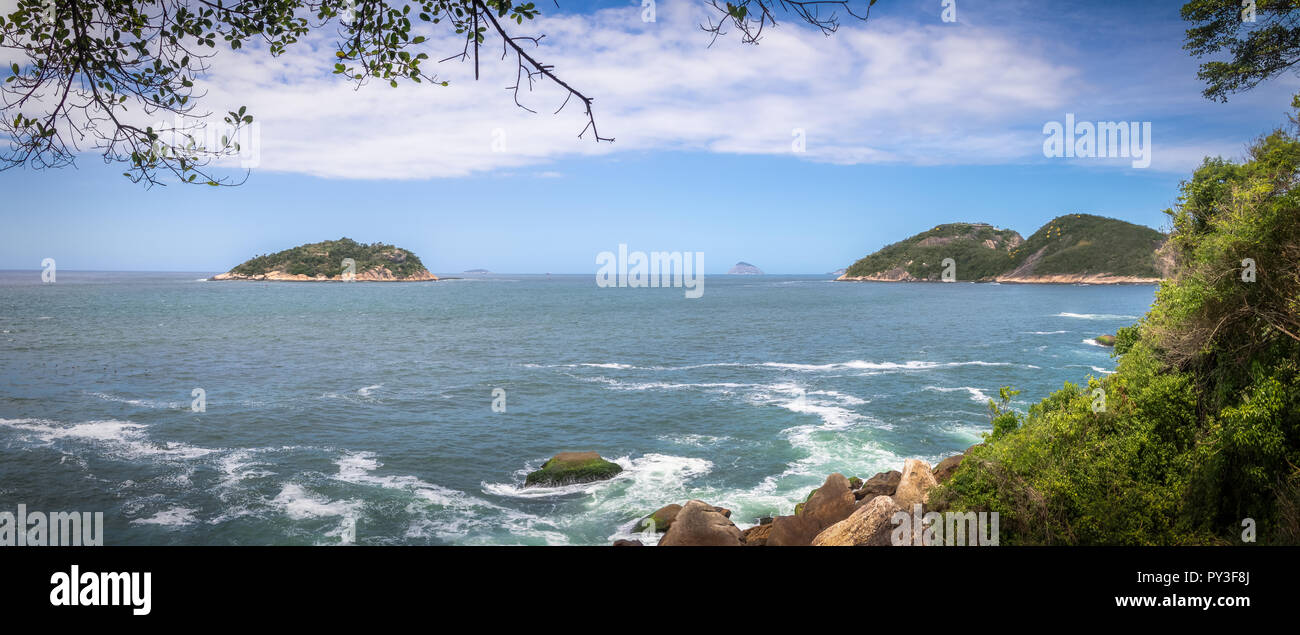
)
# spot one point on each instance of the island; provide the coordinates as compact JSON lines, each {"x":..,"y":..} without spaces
{"x":743,"y":268}
{"x":1071,"y":249}
{"x":341,"y":260}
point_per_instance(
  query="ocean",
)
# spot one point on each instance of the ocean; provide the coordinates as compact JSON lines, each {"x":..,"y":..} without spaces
{"x":362,"y":413}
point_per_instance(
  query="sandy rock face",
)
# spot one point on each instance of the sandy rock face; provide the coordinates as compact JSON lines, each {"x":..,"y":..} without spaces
{"x":870,"y":525}
{"x":915,"y":484}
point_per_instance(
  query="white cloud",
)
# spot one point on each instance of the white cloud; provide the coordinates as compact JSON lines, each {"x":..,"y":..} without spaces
{"x":876,"y":92}
{"x":884,"y":91}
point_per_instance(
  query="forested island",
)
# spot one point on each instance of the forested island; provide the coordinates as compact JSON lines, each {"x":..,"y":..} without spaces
{"x":1074,"y":248}
{"x":333,"y":261}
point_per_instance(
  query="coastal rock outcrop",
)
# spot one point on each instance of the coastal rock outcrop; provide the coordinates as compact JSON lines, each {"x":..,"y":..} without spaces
{"x":699,"y":524}
{"x":882,"y":484}
{"x":842,"y":512}
{"x":829,"y":504}
{"x":568,"y":468}
{"x":915,"y":483}
{"x":869,"y":525}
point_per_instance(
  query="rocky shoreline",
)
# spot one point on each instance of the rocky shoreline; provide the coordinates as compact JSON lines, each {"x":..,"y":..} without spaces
{"x":894,"y":276}
{"x":842,"y":512}
{"x":378,"y":274}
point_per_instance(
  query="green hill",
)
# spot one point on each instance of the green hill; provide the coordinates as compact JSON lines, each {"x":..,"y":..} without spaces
{"x":325,"y":261}
{"x":980,"y":250}
{"x":1083,"y":244}
{"x":1070,"y":248}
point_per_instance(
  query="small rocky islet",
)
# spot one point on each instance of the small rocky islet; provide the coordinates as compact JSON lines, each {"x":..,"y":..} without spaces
{"x":342,"y":260}
{"x":844,"y":511}
{"x":571,"y":468}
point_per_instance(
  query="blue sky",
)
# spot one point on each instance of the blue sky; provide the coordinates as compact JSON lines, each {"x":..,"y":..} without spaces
{"x":910,"y":122}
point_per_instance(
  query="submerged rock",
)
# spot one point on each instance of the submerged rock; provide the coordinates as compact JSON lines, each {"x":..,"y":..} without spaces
{"x":699,"y":524}
{"x":567,"y":468}
{"x":628,"y":543}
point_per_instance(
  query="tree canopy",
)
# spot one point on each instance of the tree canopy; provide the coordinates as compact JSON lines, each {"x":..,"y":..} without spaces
{"x":1261,"y":38}
{"x":86,"y":67}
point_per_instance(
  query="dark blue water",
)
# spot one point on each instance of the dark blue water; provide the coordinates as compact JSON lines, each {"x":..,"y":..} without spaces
{"x":369,"y":406}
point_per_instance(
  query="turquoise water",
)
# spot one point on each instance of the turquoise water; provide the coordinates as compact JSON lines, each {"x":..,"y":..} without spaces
{"x":369,"y":406}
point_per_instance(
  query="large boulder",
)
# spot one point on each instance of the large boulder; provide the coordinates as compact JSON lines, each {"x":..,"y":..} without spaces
{"x":663,"y":518}
{"x":944,"y":470}
{"x":915,"y":483}
{"x":567,"y":468}
{"x":828,"y":504}
{"x":628,"y":543}
{"x":757,"y":535}
{"x":698,"y":524}
{"x":882,"y":484}
{"x":870,"y":525}
{"x":792,"y":531}
{"x":831,"y":503}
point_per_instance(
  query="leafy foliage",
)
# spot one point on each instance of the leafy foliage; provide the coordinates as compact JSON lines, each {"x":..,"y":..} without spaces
{"x":1003,"y":418}
{"x":1262,"y":40}
{"x":1201,"y":424}
{"x":118,"y":76}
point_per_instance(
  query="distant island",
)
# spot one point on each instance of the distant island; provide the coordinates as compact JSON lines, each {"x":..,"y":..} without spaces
{"x":325,"y":262}
{"x":1075,"y":248}
{"x":476,"y":271}
{"x":743,"y":268}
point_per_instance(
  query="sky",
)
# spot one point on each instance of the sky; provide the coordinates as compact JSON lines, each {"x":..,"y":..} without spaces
{"x":905,"y":121}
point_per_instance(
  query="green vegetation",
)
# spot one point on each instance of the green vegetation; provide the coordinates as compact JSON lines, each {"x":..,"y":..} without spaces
{"x":326,"y":259}
{"x":1088,"y":244}
{"x":1074,"y":244}
{"x":1199,"y":428}
{"x":981,"y":251}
